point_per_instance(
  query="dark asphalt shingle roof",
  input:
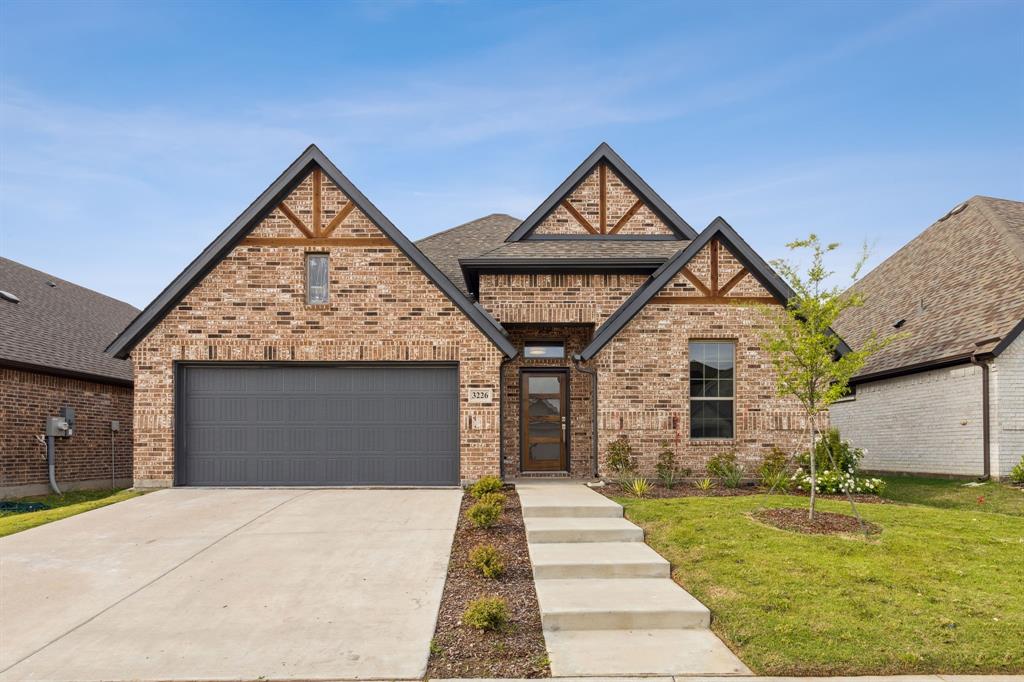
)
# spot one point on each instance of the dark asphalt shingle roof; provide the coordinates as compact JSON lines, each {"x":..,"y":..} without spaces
{"x":483,"y":239}
{"x":959,"y":282}
{"x":64,"y":328}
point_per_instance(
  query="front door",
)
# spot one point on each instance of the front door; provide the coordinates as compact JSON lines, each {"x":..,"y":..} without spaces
{"x":543,"y":416}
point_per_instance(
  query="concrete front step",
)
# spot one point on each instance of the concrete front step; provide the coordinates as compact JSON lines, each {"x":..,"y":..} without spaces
{"x":639,"y":652}
{"x":554,"y":560}
{"x":618,"y":604}
{"x":592,"y":529}
{"x":562,"y":500}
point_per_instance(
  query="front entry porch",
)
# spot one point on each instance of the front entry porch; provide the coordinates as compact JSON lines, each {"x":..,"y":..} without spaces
{"x":547,"y":404}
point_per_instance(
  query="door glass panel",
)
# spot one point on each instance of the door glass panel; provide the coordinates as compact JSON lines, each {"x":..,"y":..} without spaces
{"x":545,"y":407}
{"x":544,"y":385}
{"x":545,"y":429}
{"x":543,"y":452}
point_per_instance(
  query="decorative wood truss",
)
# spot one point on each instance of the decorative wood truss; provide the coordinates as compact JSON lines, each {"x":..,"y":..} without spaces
{"x":317,"y":234}
{"x":713,"y":291}
{"x":602,"y":226}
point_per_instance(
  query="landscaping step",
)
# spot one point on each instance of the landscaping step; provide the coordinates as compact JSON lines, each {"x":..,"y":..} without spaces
{"x":618,"y":603}
{"x":640,"y":652}
{"x":564,"y":500}
{"x":555,"y":560}
{"x":594,"y":529}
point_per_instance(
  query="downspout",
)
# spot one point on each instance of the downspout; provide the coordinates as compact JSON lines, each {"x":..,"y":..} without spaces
{"x":593,"y":406}
{"x":986,"y":444}
{"x":501,"y":417}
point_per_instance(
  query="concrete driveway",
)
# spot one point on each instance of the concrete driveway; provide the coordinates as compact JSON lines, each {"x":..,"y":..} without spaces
{"x":229,"y":584}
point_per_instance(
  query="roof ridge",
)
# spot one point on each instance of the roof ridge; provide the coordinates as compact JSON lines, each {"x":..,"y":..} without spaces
{"x":1014,"y":241}
{"x":467,"y":223}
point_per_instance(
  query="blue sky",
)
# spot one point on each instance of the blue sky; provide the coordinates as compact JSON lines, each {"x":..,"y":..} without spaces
{"x":131,"y":134}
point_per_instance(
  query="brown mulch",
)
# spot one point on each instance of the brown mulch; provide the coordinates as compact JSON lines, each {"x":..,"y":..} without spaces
{"x":824,"y":523}
{"x":459,"y":650}
{"x":687,"y":489}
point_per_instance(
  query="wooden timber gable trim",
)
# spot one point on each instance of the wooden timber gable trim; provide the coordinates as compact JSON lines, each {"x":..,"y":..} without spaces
{"x":602,"y":223}
{"x":711,"y":292}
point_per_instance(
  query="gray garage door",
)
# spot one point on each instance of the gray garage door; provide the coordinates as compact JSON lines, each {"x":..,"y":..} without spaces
{"x":272,"y":424}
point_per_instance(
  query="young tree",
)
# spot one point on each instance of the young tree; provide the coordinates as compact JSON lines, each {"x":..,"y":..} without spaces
{"x":802,"y":346}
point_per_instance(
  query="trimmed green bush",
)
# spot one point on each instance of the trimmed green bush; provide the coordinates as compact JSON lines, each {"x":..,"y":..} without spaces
{"x":1017,"y":473}
{"x":487,"y":613}
{"x":487,"y":560}
{"x":667,"y":470}
{"x":724,"y":466}
{"x":621,"y":461}
{"x":497,"y":499}
{"x":483,"y":514}
{"x":487,"y":484}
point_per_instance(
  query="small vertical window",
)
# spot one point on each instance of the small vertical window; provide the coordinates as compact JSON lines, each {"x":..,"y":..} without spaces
{"x":712,"y":389}
{"x":316,"y":278}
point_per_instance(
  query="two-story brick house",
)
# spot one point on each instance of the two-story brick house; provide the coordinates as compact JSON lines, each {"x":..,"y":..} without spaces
{"x":312,"y":343}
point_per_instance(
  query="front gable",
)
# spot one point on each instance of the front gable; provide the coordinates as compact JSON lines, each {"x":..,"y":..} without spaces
{"x":603,"y":199}
{"x":312,"y":204}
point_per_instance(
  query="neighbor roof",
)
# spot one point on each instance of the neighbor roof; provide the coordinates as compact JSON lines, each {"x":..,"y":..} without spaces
{"x":60,"y":329}
{"x":604,"y":153}
{"x":958,"y":287}
{"x":259,"y":209}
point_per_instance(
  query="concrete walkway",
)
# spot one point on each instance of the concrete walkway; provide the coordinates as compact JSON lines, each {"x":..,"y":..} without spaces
{"x":607,"y":601}
{"x":208,"y":584}
{"x":698,"y":678}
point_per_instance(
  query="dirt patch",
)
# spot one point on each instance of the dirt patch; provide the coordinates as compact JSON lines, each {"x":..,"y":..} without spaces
{"x":824,"y":523}
{"x":459,"y":650}
{"x":687,"y":489}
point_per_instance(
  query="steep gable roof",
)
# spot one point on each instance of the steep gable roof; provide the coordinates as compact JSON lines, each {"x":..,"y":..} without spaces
{"x":58,"y":327}
{"x":717,"y":229}
{"x":605,"y":154}
{"x":466,"y":241}
{"x":259,"y":209}
{"x":958,"y":288}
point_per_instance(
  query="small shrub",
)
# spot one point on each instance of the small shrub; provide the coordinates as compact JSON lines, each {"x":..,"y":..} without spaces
{"x":772,"y":464}
{"x":1017,"y":473}
{"x":831,"y":482}
{"x":487,"y":560}
{"x":483,"y":514}
{"x":724,"y":466}
{"x":487,"y":613}
{"x":846,"y":459}
{"x":704,"y":484}
{"x":776,"y":480}
{"x":639,"y":487}
{"x":487,"y":484}
{"x":668,"y":472}
{"x":621,"y":461}
{"x":497,"y":499}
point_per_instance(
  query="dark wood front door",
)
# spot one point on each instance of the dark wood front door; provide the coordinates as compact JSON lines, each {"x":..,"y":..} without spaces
{"x":543,"y":415}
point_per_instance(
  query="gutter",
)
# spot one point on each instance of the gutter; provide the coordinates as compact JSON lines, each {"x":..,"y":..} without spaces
{"x":986,"y":440}
{"x":593,"y":406}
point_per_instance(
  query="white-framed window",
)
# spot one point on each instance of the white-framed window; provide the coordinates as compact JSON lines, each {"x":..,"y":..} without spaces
{"x":712,"y":389}
{"x":317,"y":278}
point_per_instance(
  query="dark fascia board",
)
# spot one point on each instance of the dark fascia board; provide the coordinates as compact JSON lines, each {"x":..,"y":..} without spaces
{"x":259,"y":209}
{"x":66,"y":373}
{"x":1009,"y":338}
{"x":472,"y":268}
{"x":606,"y":238}
{"x":917,"y":368}
{"x":605,"y":153}
{"x":719,"y":228}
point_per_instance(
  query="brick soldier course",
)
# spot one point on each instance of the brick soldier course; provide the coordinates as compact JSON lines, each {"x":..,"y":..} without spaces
{"x":603,"y":266}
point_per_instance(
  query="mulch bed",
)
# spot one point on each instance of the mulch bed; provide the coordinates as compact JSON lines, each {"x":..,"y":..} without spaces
{"x":459,"y":650}
{"x":824,"y":523}
{"x":687,"y":489}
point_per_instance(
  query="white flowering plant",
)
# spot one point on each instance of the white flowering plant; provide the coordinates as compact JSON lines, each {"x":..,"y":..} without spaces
{"x":833,"y":482}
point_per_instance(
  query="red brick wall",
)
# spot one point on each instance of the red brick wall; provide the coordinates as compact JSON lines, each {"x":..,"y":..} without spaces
{"x":556,"y":298}
{"x":28,"y":398}
{"x":252,"y":306}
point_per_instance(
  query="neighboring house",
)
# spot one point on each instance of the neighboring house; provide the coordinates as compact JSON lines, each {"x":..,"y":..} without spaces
{"x":313,"y":343}
{"x":949,"y":397}
{"x":52,"y":336}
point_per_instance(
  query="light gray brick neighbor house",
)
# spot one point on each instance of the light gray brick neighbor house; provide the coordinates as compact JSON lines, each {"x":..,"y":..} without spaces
{"x":949,"y":398}
{"x":312,"y":343}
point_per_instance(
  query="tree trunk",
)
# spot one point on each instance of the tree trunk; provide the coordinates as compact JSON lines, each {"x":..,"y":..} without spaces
{"x":814,"y":472}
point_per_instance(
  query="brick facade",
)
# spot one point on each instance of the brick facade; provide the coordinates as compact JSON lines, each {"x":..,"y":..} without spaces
{"x":252,"y":306}
{"x":556,"y":298}
{"x":84,"y":460}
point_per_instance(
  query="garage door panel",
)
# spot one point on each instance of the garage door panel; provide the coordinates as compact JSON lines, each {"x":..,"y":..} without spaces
{"x":319,"y":425}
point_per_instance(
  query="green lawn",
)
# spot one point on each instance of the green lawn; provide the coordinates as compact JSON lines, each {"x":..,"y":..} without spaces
{"x":938,"y":492}
{"x":939,"y":591}
{"x":63,"y":506}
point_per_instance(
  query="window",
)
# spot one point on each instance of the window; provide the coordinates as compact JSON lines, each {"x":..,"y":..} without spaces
{"x":712,"y":389}
{"x":316,"y":278}
{"x":544,"y":349}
